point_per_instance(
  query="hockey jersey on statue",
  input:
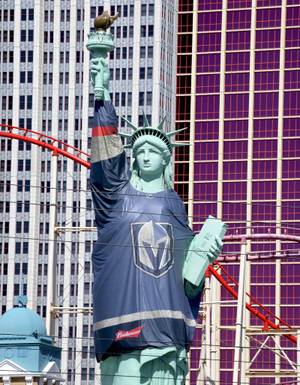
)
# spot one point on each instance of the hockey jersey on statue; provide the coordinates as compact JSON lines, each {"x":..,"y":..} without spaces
{"x":138,"y":299}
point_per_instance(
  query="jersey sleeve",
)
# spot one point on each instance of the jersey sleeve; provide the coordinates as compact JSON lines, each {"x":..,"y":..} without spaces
{"x":109,"y":166}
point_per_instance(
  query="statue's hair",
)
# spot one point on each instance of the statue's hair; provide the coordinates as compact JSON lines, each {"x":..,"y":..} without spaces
{"x":167,"y":171}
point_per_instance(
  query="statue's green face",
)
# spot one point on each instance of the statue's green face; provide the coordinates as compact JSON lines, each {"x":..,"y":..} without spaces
{"x":150,"y":160}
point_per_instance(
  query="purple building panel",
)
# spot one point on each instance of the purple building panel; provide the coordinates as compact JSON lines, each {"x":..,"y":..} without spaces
{"x":246,"y":158}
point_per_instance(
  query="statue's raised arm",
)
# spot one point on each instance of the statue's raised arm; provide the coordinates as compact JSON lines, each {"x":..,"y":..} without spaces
{"x":109,"y":168}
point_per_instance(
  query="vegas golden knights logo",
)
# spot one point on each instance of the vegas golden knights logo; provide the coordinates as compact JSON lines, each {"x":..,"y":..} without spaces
{"x":153,"y":247}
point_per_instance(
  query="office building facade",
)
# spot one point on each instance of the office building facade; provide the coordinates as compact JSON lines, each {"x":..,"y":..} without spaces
{"x":45,"y":87}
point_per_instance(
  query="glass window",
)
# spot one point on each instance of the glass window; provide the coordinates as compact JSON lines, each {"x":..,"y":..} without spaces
{"x":268,"y":17}
{"x":293,"y":16}
{"x":185,"y":22}
{"x":291,"y":189}
{"x":292,"y":79}
{"x":235,"y":210}
{"x":143,"y":31}
{"x":203,"y":210}
{"x":22,"y":102}
{"x":268,"y":38}
{"x":30,"y":35}
{"x":23,"y":34}
{"x":16,"y":289}
{"x":149,"y":98}
{"x":236,"y":105}
{"x":267,"y":60}
{"x":23,"y":14}
{"x":131,"y":10}
{"x":234,"y":170}
{"x":18,"y":227}
{"x":150,"y":30}
{"x":263,"y":211}
{"x":236,"y":149}
{"x":239,"y":3}
{"x":208,"y":63}
{"x":23,"y":56}
{"x":206,"y":191}
{"x":206,"y":21}
{"x":85,"y":331}
{"x":143,"y":9}
{"x":84,"y":374}
{"x":142,"y":73}
{"x":151,"y":10}
{"x":291,"y":127}
{"x":264,"y":128}
{"x":207,"y":42}
{"x":262,"y":190}
{"x":206,"y":151}
{"x":17,"y":268}
{"x":234,"y":191}
{"x":265,"y":148}
{"x":291,"y":148}
{"x":240,"y":19}
{"x":206,"y":171}
{"x":292,"y":37}
{"x":30,"y":14}
{"x":141,"y":98}
{"x":237,"y":82}
{"x":266,"y":104}
{"x":30,"y":56}
{"x":266,"y":80}
{"x":208,"y":83}
{"x":239,"y":40}
{"x":92,"y":374}
{"x":143,"y":52}
{"x":129,"y":99}
{"x":18,"y":251}
{"x":235,"y":129}
{"x":131,"y":31}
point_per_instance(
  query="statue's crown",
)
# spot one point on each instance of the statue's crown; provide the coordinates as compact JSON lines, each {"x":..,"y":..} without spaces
{"x":156,"y":132}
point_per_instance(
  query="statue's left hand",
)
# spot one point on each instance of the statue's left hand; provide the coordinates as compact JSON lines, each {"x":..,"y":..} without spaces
{"x":215,"y":249}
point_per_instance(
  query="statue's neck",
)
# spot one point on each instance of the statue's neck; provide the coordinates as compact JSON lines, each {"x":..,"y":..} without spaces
{"x":148,"y":185}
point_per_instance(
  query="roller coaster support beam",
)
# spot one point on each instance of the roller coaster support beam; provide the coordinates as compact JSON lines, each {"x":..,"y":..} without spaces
{"x":238,"y":365}
{"x":52,"y":261}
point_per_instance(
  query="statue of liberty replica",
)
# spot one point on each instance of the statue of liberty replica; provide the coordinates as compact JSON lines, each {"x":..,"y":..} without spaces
{"x":148,"y":264}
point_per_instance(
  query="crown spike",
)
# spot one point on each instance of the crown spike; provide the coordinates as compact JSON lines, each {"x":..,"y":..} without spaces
{"x":125,"y":134}
{"x":171,"y":133}
{"x":160,"y":126}
{"x":180,"y":144}
{"x":129,"y":123}
{"x":146,"y":122}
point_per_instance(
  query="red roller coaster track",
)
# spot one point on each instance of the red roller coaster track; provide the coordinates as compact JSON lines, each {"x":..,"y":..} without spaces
{"x":58,"y":147}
